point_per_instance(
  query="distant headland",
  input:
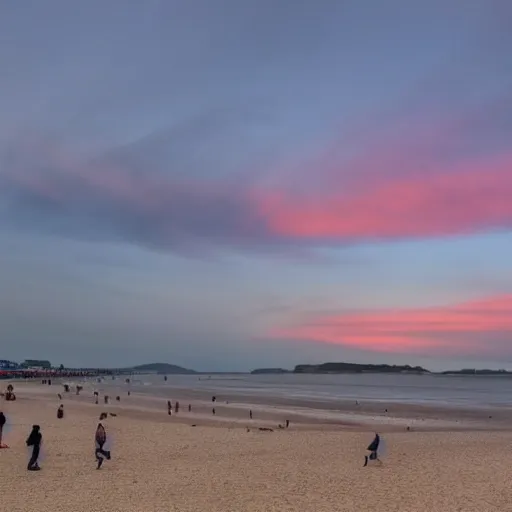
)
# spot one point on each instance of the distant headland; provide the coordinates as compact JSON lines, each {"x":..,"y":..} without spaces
{"x":162,"y":368}
{"x":346,"y":368}
{"x":336,"y":368}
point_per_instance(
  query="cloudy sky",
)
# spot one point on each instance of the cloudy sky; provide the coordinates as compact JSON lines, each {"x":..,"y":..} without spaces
{"x":230,"y":184}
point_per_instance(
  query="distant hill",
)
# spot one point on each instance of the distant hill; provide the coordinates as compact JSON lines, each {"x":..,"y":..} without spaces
{"x":162,"y":368}
{"x":260,"y":371}
{"x":358,"y":368}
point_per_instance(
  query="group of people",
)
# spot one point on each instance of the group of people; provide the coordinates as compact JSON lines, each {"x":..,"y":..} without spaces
{"x":35,"y":439}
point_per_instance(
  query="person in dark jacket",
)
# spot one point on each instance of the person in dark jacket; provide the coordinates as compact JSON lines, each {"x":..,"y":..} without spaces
{"x":372,"y":448}
{"x":34,"y":439}
{"x":101,"y":439}
{"x":60,"y":412}
{"x":3,"y":421}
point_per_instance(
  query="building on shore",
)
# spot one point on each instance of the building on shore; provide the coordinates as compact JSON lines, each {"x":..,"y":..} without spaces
{"x":8,"y":365}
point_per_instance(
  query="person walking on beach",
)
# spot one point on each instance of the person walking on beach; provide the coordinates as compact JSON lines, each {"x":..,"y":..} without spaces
{"x":3,"y":421}
{"x":34,"y":439}
{"x":372,"y":448}
{"x":60,"y":412}
{"x":101,"y":439}
{"x":169,"y":407}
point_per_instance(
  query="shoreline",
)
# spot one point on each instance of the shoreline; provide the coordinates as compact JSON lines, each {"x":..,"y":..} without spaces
{"x":232,"y":408}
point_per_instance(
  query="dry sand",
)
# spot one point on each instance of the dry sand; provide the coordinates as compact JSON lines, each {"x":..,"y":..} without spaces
{"x":161,"y":463}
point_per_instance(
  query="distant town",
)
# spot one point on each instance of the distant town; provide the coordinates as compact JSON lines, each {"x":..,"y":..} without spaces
{"x":32,"y":368}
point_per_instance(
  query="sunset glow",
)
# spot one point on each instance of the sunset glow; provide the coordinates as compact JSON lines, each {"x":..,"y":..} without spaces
{"x":445,"y":329}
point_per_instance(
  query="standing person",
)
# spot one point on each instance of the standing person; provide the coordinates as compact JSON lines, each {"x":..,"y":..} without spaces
{"x":176,"y":407}
{"x":169,"y":407}
{"x":3,"y":421}
{"x":34,"y":439}
{"x":60,"y":412}
{"x":372,"y":448}
{"x":101,"y":439}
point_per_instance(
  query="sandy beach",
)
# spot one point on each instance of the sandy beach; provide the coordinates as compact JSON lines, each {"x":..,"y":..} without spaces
{"x":162,"y":463}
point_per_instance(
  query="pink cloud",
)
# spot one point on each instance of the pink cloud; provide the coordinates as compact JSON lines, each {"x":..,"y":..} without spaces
{"x":464,"y":198}
{"x":470,"y":327}
{"x":421,"y":199}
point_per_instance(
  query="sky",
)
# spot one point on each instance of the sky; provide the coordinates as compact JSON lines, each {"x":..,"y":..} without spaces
{"x":226,"y":185}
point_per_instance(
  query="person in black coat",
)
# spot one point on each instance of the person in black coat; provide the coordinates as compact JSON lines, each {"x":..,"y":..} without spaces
{"x":34,"y":439}
{"x":372,"y":448}
{"x":3,"y":421}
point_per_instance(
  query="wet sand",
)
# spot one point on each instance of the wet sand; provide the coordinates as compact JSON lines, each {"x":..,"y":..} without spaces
{"x":162,"y":463}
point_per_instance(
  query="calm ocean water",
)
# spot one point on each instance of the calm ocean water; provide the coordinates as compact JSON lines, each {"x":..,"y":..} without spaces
{"x":414,"y":389}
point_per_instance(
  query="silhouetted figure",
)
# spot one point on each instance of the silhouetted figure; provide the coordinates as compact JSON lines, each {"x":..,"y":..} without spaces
{"x":60,"y":396}
{"x":34,"y":439}
{"x":250,"y":414}
{"x":3,"y":421}
{"x":372,"y":448}
{"x":169,"y":408}
{"x":189,"y":407}
{"x":66,"y":388}
{"x":165,"y":377}
{"x":78,"y":389}
{"x":9,"y":395}
{"x":118,"y":398}
{"x":214,"y":398}
{"x":213,"y":411}
{"x":60,"y":412}
{"x":128,"y":393}
{"x":176,"y":407}
{"x":101,"y":439}
{"x":106,"y":399}
{"x":49,"y":382}
{"x":287,"y":423}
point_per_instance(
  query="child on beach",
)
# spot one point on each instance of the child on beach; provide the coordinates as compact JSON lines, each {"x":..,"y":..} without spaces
{"x":101,"y":439}
{"x":372,"y":448}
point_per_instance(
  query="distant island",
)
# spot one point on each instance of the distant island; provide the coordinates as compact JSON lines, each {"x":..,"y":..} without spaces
{"x":260,"y":371}
{"x":346,"y":368}
{"x":357,"y":368}
{"x":473,"y":371}
{"x":162,"y":369}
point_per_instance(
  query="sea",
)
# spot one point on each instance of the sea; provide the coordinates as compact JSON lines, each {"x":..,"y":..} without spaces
{"x":443,"y":390}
